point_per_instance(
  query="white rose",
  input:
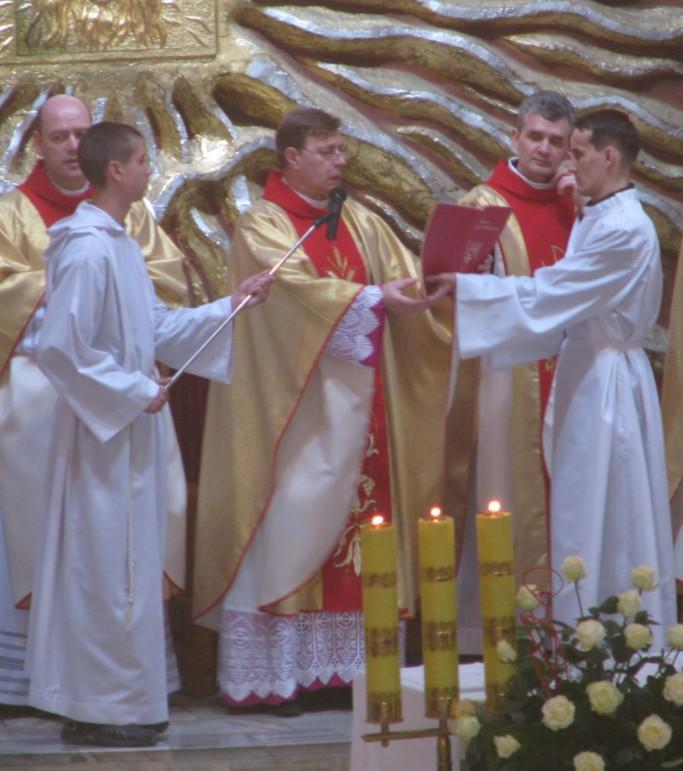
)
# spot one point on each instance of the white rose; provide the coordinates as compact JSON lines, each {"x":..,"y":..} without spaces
{"x":588,"y":761}
{"x":644,"y":577}
{"x":574,"y":569}
{"x":629,"y":603}
{"x":673,"y":688}
{"x":654,"y":733}
{"x":467,"y":727}
{"x":465,"y":707}
{"x":526,"y":597}
{"x":590,"y":633}
{"x":674,"y":635}
{"x":604,"y":697}
{"x":558,"y":713}
{"x":505,"y":652}
{"x":506,"y":746}
{"x":637,"y":636}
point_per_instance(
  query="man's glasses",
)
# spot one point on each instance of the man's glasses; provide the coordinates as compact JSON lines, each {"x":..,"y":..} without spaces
{"x":328,"y":153}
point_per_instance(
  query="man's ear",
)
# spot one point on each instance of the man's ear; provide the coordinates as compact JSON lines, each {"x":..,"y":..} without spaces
{"x":514,"y":136}
{"x":291,"y":155}
{"x":612,"y":156}
{"x":37,"y":143}
{"x":114,"y":170}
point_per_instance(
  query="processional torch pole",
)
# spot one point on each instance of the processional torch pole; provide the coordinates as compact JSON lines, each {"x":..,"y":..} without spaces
{"x":331,"y":217}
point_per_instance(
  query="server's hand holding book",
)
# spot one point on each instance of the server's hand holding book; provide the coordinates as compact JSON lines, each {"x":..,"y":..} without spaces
{"x":458,"y":239}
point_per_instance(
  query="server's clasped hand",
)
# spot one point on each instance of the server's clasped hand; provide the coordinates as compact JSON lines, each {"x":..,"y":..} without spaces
{"x":257,"y":286}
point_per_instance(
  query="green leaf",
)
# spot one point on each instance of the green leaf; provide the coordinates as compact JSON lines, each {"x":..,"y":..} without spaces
{"x":608,"y":606}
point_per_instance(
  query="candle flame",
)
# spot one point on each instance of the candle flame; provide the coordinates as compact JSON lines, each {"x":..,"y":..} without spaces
{"x":494,"y":507}
{"x":435,"y":512}
{"x":377,"y":520}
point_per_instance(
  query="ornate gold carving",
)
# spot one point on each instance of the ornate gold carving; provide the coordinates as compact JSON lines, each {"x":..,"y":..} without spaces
{"x":428,"y":130}
{"x":49,"y":29}
{"x":438,"y":574}
{"x":439,"y":635}
{"x":381,"y":642}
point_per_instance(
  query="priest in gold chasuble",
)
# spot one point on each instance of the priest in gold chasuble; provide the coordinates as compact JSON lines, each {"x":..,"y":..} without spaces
{"x":336,"y":412}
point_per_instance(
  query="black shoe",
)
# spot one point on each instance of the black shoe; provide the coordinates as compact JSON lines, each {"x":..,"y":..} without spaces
{"x":158,"y":728}
{"x":103,"y":735}
{"x":338,"y":697}
{"x":291,"y":708}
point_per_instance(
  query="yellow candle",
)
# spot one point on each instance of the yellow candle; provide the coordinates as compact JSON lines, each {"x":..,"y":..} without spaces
{"x":497,"y":595}
{"x":438,"y":605}
{"x":380,"y":609}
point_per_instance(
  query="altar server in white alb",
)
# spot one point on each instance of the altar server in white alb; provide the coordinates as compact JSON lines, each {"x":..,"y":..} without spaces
{"x":609,"y":502}
{"x":96,"y":650}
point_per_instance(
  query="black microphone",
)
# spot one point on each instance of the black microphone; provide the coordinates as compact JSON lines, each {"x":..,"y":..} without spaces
{"x":336,"y":200}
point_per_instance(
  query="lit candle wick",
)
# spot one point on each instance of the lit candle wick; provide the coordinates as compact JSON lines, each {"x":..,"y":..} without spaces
{"x":494,"y":507}
{"x":435,"y":512}
{"x":377,"y":520}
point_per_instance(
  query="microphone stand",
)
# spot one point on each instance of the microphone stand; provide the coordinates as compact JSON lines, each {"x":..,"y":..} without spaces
{"x":320,"y":221}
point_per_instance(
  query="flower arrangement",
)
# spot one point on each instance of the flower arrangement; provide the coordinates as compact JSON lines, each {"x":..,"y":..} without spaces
{"x":587,"y":698}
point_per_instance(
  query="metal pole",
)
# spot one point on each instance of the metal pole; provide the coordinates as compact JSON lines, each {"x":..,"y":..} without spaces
{"x":320,"y":221}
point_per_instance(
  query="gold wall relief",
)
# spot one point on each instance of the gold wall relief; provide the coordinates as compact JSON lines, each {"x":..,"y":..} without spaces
{"x":427,"y":92}
{"x":50,"y":29}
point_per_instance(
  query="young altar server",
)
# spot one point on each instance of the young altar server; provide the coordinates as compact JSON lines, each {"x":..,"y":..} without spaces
{"x":609,"y":502}
{"x":96,"y":651}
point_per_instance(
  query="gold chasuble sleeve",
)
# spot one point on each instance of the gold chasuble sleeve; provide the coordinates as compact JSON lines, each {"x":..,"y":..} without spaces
{"x":163,"y":259}
{"x":276,"y":348}
{"x":528,"y":504}
{"x":23,"y":240}
{"x":22,"y":274}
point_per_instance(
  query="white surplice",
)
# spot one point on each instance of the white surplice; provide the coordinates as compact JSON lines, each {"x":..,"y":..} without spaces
{"x":609,"y":490}
{"x":96,"y":637}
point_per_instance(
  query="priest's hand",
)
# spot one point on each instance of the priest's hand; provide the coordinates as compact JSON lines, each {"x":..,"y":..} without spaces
{"x":399,"y":304}
{"x":441,"y":285}
{"x":255,"y":287}
{"x":161,"y":398}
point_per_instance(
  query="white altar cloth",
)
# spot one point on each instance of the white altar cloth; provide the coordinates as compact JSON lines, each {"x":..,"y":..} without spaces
{"x":407,"y":754}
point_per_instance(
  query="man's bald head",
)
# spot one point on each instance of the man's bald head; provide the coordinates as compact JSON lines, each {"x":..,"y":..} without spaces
{"x":54,"y":107}
{"x":61,"y":122}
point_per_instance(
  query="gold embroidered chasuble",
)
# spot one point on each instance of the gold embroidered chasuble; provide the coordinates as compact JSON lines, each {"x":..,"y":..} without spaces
{"x":277,"y":348}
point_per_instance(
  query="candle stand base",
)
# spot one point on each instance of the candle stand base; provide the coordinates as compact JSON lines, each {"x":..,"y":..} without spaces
{"x":442,"y":734}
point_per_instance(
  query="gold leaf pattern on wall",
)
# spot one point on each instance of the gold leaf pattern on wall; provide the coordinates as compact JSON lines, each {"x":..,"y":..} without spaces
{"x":427,"y":89}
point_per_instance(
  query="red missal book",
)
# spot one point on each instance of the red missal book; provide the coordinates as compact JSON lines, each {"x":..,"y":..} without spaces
{"x":459,"y":238}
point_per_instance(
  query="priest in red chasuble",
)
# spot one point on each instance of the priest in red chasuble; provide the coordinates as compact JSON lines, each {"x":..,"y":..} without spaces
{"x":336,"y":412}
{"x":511,"y":405}
{"x":52,"y":191}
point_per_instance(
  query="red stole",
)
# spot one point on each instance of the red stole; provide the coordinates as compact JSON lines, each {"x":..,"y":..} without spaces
{"x":340,"y":579}
{"x":52,"y":205}
{"x":545,"y":219}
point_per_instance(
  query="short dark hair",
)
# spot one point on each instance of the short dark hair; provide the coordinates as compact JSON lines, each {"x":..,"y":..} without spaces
{"x":102,"y":143}
{"x":549,"y":105}
{"x":611,"y":127}
{"x":301,"y":123}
